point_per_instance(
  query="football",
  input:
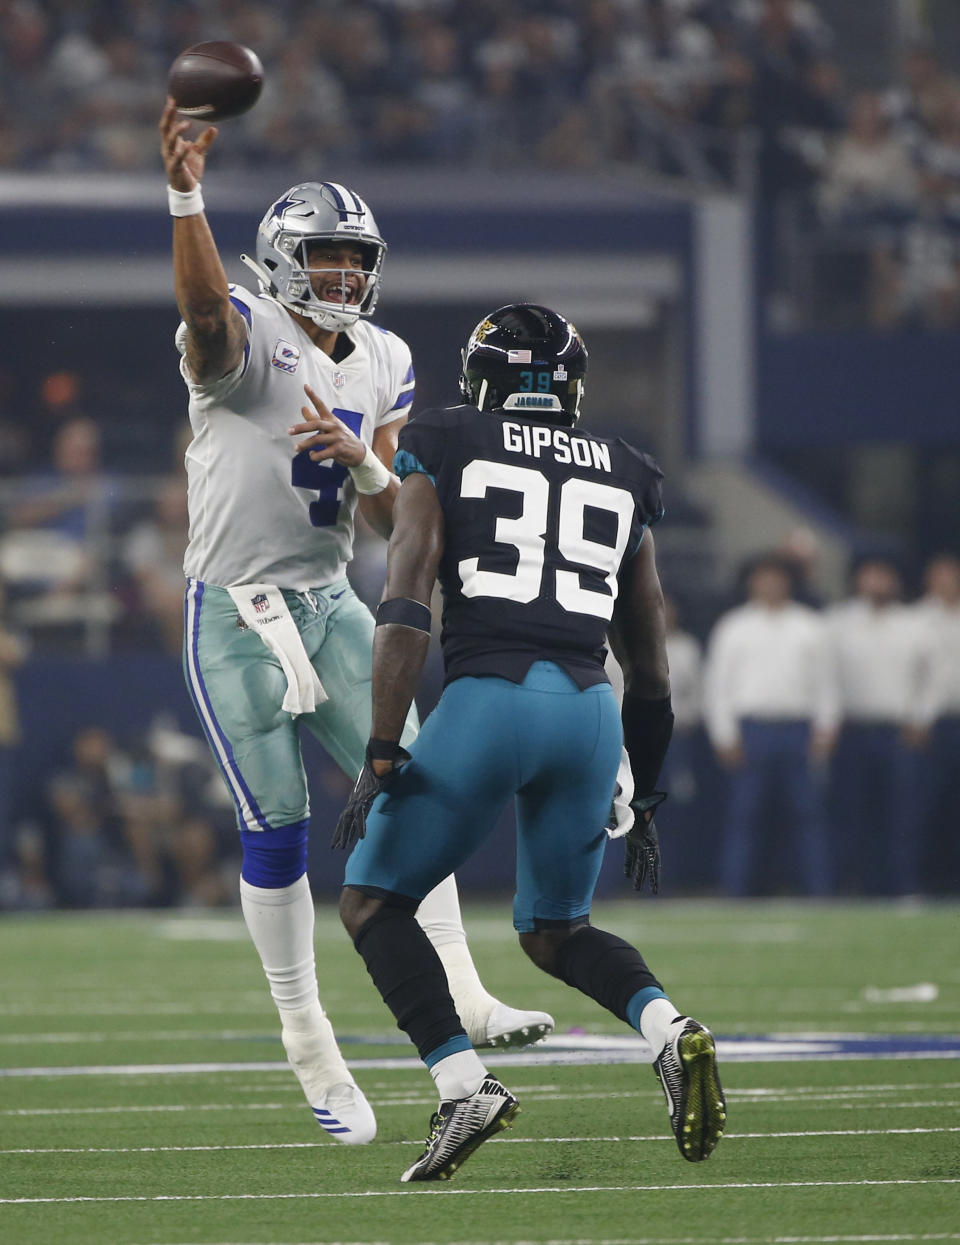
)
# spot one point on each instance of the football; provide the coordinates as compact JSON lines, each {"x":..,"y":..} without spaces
{"x":214,"y":81}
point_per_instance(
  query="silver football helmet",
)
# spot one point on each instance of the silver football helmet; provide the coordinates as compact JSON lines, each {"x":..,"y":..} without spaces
{"x":318,"y":212}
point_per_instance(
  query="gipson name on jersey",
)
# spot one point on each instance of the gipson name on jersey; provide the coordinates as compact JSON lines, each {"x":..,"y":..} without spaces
{"x":534,"y":439}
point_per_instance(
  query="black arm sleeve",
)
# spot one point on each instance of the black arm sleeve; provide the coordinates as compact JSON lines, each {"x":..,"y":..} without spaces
{"x":647,"y":727}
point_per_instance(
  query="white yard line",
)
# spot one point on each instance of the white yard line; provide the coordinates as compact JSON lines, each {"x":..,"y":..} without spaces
{"x":424,"y":1100}
{"x":679,"y":1240}
{"x":236,"y":1003}
{"x":550,"y":1190}
{"x":138,"y":1035}
{"x":500,"y":1141}
{"x":180,"y":1107}
{"x":904,"y":1087}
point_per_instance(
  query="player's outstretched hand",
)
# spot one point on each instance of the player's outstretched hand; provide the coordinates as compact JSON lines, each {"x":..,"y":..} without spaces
{"x":641,"y":860}
{"x":184,"y":159}
{"x":352,"y":824}
{"x":331,"y":438}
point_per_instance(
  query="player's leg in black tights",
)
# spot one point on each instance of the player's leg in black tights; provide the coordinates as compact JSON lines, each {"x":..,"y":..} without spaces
{"x":404,"y":967}
{"x":599,"y":965}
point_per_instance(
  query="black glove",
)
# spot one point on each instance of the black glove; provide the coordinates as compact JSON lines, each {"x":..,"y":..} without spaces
{"x":352,"y":824}
{"x":642,"y":848}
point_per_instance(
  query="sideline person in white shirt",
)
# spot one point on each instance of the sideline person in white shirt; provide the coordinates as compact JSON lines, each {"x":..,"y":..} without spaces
{"x":939,"y":611}
{"x":881,"y":654}
{"x":771,"y":714}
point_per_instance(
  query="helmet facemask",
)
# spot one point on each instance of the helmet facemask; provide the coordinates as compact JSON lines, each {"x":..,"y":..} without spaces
{"x":316,"y":214}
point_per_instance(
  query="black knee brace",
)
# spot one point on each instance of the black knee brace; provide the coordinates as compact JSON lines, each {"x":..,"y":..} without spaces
{"x":410,"y":977}
{"x":603,"y":967}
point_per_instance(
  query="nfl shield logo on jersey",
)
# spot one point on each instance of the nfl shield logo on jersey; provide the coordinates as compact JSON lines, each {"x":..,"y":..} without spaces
{"x":260,"y":602}
{"x":286,"y":356}
{"x":339,"y":379}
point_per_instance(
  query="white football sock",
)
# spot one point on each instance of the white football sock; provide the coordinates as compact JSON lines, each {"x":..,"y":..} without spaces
{"x":439,"y":917}
{"x":458,"y":1075}
{"x":655,"y":1019}
{"x":281,"y":924}
{"x":439,"y":914}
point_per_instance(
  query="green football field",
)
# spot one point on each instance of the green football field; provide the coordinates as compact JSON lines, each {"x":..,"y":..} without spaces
{"x":143,"y":1097}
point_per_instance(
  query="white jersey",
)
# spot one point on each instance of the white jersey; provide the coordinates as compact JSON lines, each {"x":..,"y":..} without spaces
{"x":259,"y":511}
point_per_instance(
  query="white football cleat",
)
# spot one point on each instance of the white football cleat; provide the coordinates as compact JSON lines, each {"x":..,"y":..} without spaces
{"x":344,"y":1113}
{"x":506,"y":1027}
{"x":337,"y":1102}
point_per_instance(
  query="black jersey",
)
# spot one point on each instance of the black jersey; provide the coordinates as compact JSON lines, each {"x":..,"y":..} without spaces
{"x":538,"y":522}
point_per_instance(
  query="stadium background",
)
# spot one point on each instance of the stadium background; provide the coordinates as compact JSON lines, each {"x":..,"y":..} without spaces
{"x":664,"y":173}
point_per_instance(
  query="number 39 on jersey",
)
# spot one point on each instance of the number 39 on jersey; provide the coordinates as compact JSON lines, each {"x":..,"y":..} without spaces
{"x":529,"y":534}
{"x":539,"y":520}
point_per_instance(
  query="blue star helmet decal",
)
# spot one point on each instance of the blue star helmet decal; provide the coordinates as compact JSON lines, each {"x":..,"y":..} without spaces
{"x":286,"y":202}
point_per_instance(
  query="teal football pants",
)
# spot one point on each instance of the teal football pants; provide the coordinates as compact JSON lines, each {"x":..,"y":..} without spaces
{"x":553,"y":747}
{"x":238,"y":686}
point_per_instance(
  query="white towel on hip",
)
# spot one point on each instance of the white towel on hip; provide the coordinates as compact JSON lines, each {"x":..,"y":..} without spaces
{"x":623,"y":816}
{"x":622,"y":812}
{"x":263,"y":609}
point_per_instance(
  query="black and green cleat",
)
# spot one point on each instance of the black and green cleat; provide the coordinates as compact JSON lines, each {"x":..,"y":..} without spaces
{"x":459,"y":1127}
{"x":687,"y":1068}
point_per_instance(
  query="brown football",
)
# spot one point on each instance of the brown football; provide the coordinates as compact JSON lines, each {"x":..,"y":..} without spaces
{"x":214,"y":81}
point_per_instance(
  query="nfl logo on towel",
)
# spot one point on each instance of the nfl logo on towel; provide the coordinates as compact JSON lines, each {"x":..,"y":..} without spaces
{"x":259,"y":602}
{"x":286,"y":356}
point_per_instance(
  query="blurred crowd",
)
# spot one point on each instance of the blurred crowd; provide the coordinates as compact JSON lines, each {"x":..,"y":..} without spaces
{"x":421,"y":80}
{"x":755,"y":93}
{"x":890,"y":180}
{"x":147,"y":823}
{"x":88,"y":552}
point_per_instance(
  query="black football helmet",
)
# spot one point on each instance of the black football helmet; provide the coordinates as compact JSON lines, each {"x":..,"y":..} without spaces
{"x":526,"y":358}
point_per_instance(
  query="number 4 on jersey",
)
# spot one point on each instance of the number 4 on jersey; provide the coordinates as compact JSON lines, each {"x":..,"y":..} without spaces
{"x":325,"y":477}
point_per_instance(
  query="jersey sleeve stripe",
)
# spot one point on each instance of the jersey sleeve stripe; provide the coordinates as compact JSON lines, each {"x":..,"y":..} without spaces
{"x":243,"y":309}
{"x":632,"y":549}
{"x":407,"y":464}
{"x":404,"y":400}
{"x":408,"y":379}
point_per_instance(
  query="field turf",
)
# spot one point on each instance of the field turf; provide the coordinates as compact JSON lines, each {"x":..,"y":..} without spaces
{"x":143,"y":1099}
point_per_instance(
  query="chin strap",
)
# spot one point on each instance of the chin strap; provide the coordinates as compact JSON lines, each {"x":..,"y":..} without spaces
{"x":267,"y":285}
{"x":336,"y":321}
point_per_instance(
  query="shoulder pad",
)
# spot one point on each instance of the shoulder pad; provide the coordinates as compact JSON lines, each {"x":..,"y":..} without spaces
{"x":647,"y":460}
{"x":240,"y":294}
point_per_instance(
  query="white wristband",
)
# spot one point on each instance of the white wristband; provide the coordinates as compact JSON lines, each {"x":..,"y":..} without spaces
{"x":185,"y":202}
{"x":370,"y":475}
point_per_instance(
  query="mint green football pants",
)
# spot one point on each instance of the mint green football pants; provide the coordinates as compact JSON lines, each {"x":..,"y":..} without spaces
{"x":238,"y":687}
